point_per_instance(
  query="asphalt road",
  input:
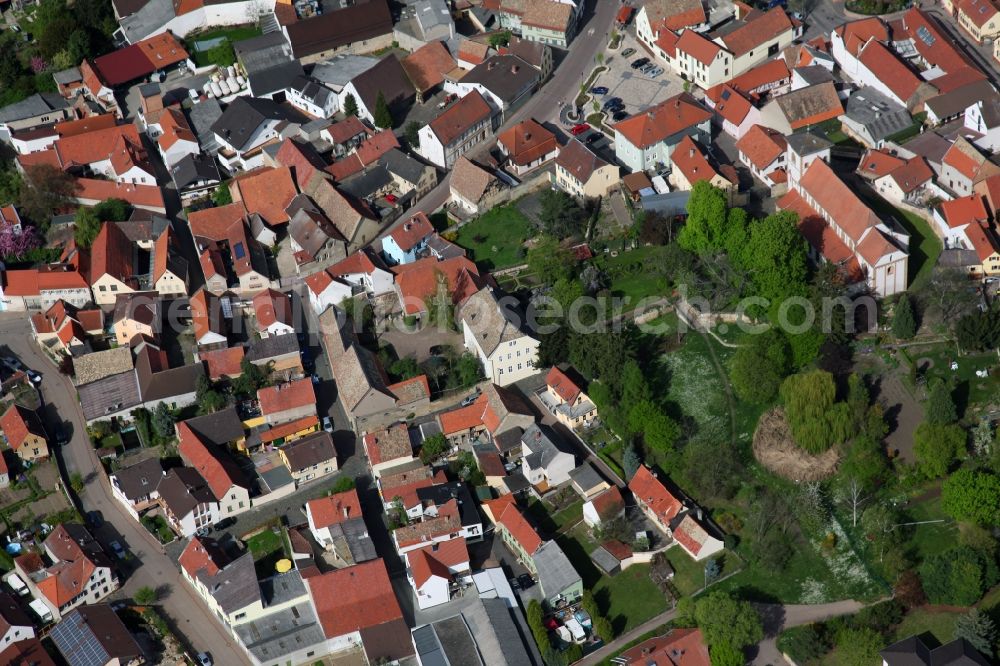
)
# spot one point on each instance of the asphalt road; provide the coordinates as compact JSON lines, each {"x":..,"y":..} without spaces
{"x":183,"y":608}
{"x":543,"y":105}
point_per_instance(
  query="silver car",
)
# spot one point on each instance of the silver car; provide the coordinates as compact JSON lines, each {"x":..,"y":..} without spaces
{"x":653,"y":73}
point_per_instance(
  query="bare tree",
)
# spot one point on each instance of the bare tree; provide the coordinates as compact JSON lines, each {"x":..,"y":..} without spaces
{"x":852,"y":494}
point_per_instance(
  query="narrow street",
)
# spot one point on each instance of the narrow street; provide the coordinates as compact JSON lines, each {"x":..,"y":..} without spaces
{"x":185,"y":611}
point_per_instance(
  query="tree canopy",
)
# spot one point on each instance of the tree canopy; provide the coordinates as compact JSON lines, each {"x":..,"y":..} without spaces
{"x":757,"y":369}
{"x":727,"y":621}
{"x":904,"y":320}
{"x":816,"y":419}
{"x":382,"y":115}
{"x":958,"y":576}
{"x":973,"y":496}
{"x":937,"y":447}
{"x":561,"y":216}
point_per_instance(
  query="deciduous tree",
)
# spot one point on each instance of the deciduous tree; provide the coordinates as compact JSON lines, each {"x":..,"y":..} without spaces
{"x":940,"y":407}
{"x":904,"y":320}
{"x":973,"y":496}
{"x":937,"y":447}
{"x":757,"y":369}
{"x":723,"y":619}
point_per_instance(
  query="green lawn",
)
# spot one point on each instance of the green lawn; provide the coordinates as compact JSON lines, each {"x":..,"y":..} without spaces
{"x":157,"y":526}
{"x":630,"y":598}
{"x":689,"y":576}
{"x":941,"y":624}
{"x":264,"y":543}
{"x":233,"y":34}
{"x":629,"y":275}
{"x":697,"y":388}
{"x":496,"y":240}
{"x":932,"y":538}
{"x":971,"y":391}
{"x":553,"y":522}
{"x":925,"y":246}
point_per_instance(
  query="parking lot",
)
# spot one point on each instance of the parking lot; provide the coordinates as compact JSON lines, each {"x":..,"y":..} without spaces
{"x":638,"y":91}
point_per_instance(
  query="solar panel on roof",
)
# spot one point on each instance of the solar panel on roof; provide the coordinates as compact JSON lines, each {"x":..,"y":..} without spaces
{"x":78,"y":645}
{"x":239,"y":250}
{"x":725,"y":94}
{"x":925,"y":36}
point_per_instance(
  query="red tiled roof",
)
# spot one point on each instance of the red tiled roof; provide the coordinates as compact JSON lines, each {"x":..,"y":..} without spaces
{"x":411,"y":232}
{"x":463,"y":418}
{"x":335,"y":509}
{"x":856,"y":33}
{"x":839,"y":202}
{"x":670,"y":117}
{"x":679,"y":647}
{"x":691,"y":535}
{"x":517,"y":525}
{"x":161,"y":254}
{"x":964,"y":158}
{"x":648,"y":490}
{"x":698,"y":47}
{"x":564,"y":387}
{"x":219,"y":471}
{"x":162,"y":50}
{"x":390,"y":443}
{"x":435,"y":560}
{"x":427,"y":65}
{"x":886,"y":66}
{"x":527,"y":142}
{"x":85,"y":125}
{"x":979,"y":12}
{"x":272,"y":306}
{"x":688,"y":159}
{"x":346,"y":129}
{"x":267,"y":192}
{"x":17,"y":423}
{"x":762,"y":145}
{"x":912,"y":175}
{"x":415,"y":386}
{"x":214,"y":223}
{"x":731,"y":105}
{"x":374,"y":147}
{"x":140,"y":196}
{"x":92,"y":147}
{"x":460,"y":116}
{"x":965,"y":210}
{"x":354,"y":264}
{"x":202,"y":555}
{"x":28,"y":652}
{"x":473,"y":52}
{"x":289,"y":395}
{"x":175,"y":128}
{"x":820,"y":235}
{"x":223,"y":362}
{"x":302,"y":159}
{"x":33,"y":281}
{"x":111,"y":254}
{"x":878,"y":163}
{"x":667,"y":40}
{"x":940,"y":50}
{"x":763,"y":28}
{"x":609,"y":503}
{"x":419,"y":280}
{"x":290,"y":428}
{"x":354,"y":598}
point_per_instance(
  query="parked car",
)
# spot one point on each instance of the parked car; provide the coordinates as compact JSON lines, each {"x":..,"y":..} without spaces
{"x":469,"y":399}
{"x":614,"y":103}
{"x":799,"y":16}
{"x":205,"y":659}
{"x":118,"y":550}
{"x":225,"y":523}
{"x":579,"y":129}
{"x":327,"y":424}
{"x":514,"y":585}
{"x":392,"y":198}
{"x":627,"y":52}
{"x":95,"y":519}
{"x":636,"y":64}
{"x":619,"y":115}
{"x":599,"y":90}
{"x":647,"y":68}
{"x":593,"y":138}
{"x":202,"y":532}
{"x":315,"y":379}
{"x":656,"y":71}
{"x":526,"y":581}
{"x":34,"y":377}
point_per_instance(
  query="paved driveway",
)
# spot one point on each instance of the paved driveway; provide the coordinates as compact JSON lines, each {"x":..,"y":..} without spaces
{"x":637,"y":90}
{"x":182,"y":607}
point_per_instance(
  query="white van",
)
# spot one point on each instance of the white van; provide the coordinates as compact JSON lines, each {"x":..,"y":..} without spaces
{"x":18,"y":585}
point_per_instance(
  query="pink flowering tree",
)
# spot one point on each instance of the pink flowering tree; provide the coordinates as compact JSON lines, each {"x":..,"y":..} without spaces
{"x":14,"y":244}
{"x":38,"y":64}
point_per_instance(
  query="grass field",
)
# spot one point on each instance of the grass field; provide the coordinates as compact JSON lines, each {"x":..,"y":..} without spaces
{"x":496,"y":239}
{"x":629,"y":276}
{"x":925,"y":246}
{"x":689,"y":576}
{"x":631,"y":598}
{"x":931,"y":538}
{"x":697,"y":388}
{"x":940,"y":624}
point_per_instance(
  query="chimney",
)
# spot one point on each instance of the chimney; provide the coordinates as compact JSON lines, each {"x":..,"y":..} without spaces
{"x":490,"y":66}
{"x":690,"y":152}
{"x":347,"y":511}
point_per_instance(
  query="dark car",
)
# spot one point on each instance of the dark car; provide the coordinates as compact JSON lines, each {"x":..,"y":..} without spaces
{"x":526,"y":581}
{"x":95,"y":519}
{"x":599,"y":90}
{"x":593,"y":137}
{"x":619,"y":115}
{"x":636,"y":64}
{"x":614,"y":103}
{"x":224,"y":523}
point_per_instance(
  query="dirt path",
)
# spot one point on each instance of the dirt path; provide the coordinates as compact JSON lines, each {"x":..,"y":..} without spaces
{"x":905,"y":413}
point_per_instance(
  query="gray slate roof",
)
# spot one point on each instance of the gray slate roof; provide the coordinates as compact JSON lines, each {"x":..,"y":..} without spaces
{"x":109,"y":395}
{"x":498,"y":76}
{"x":68,"y":75}
{"x":485,"y":633}
{"x":270,"y":637}
{"x":241,"y":119}
{"x":139,"y":480}
{"x":35,"y":105}
{"x":555,"y":571}
{"x":219,"y":428}
{"x":201,"y":117}
{"x":145,"y":21}
{"x":879,"y":114}
{"x":312,"y":90}
{"x":403,"y":166}
{"x":262,"y":52}
{"x":276,"y":77}
{"x":586,"y":476}
{"x":193,"y":169}
{"x":337,"y":71}
{"x":272,"y":347}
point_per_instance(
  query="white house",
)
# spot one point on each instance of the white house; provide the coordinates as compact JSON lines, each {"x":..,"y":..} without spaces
{"x":136,"y":486}
{"x":364,"y":271}
{"x":187,"y":502}
{"x":312,"y":97}
{"x":406,"y":241}
{"x":326,"y":291}
{"x":647,"y":139}
{"x":177,"y":138}
{"x":494,"y":333}
{"x":430,"y":570}
{"x":457,"y":130}
{"x":225,"y":479}
{"x":273,"y":310}
{"x":544,"y":463}
{"x":325,"y":513}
